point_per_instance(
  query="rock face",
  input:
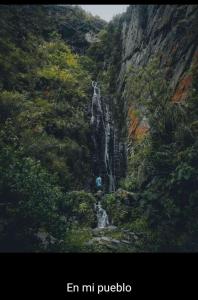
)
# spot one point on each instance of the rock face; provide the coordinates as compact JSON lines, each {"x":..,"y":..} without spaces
{"x":171,"y":31}
{"x":91,"y":37}
{"x":144,"y":31}
{"x":168,"y":30}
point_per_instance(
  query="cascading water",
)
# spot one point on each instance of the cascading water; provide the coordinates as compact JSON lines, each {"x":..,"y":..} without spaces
{"x":103,"y":148}
{"x":102,"y":217}
{"x":102,"y":138}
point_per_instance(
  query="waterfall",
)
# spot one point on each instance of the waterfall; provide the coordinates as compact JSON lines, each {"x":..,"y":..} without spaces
{"x":102,"y":216}
{"x":102,"y":139}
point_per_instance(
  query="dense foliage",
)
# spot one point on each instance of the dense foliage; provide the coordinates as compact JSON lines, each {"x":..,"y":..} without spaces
{"x":47,"y":63}
{"x":163,"y":166}
{"x":44,"y":130}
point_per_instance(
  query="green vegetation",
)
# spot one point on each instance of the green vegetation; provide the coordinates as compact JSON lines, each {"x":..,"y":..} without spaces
{"x":163,"y":167}
{"x":44,"y":130}
{"x":118,"y":206}
{"x":47,"y":65}
{"x":79,"y":207}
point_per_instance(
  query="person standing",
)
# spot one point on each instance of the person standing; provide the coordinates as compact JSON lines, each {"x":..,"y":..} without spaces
{"x":98,"y":183}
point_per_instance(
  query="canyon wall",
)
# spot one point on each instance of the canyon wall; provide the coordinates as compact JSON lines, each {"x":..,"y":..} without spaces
{"x":170,"y":31}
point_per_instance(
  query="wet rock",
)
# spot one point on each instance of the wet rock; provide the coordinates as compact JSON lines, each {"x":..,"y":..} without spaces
{"x":111,"y":227}
{"x":89,"y":243}
{"x":45,"y":238}
{"x":108,"y":243}
{"x":115,"y":241}
{"x":106,"y":239}
{"x":91,"y":37}
{"x":125,"y":242}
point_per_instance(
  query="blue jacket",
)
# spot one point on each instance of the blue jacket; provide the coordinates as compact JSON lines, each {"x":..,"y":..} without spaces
{"x":98,"y":181}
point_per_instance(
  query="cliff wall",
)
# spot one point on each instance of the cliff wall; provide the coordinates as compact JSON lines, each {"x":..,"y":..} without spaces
{"x":169,"y":31}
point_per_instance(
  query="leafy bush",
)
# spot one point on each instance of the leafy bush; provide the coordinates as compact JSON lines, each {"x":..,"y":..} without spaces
{"x":79,"y":207}
{"x":29,"y":200}
{"x":118,"y":208}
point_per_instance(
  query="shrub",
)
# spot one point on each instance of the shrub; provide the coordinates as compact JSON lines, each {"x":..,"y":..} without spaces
{"x":79,"y":206}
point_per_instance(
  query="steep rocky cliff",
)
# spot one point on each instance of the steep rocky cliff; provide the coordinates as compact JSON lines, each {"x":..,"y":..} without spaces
{"x":169,"y":31}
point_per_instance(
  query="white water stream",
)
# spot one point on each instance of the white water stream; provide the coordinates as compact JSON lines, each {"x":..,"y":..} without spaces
{"x":102,"y":217}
